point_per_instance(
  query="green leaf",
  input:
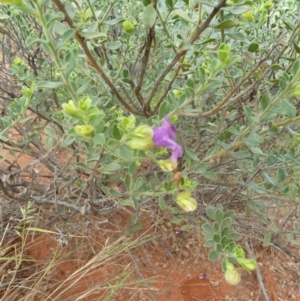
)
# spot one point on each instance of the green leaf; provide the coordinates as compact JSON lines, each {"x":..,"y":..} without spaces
{"x":208,"y":229}
{"x":176,"y":221}
{"x":126,"y":152}
{"x":235,"y":35}
{"x":226,"y":222}
{"x":210,"y":211}
{"x":4,"y":17}
{"x":88,"y":35}
{"x":114,"y":45}
{"x":267,"y":239}
{"x":211,"y":85}
{"x":253,"y":47}
{"x":225,"y":231}
{"x":213,"y":255}
{"x":114,"y":193}
{"x":50,"y":85}
{"x":114,"y":21}
{"x":49,"y":143}
{"x":224,"y":135}
{"x":132,"y":168}
{"x":206,"y":2}
{"x":225,"y":241}
{"x":209,"y":243}
{"x":201,"y":167}
{"x":149,"y":16}
{"x":164,"y":109}
{"x":42,"y":2}
{"x":109,"y":168}
{"x":217,"y":238}
{"x":236,"y":10}
{"x":65,"y":38}
{"x":265,"y":100}
{"x":281,"y":175}
{"x":240,"y":155}
{"x":30,"y":41}
{"x":99,"y":139}
{"x":288,"y":108}
{"x":51,"y":132}
{"x":219,"y":216}
{"x":296,"y":48}
{"x":229,"y":213}
{"x":225,"y":24}
{"x":162,"y":203}
{"x":248,"y":113}
{"x":169,"y":3}
{"x":67,"y":141}
{"x":69,"y":63}
{"x":83,"y":85}
{"x":270,"y":179}
{"x":128,"y":182}
{"x":190,"y":154}
{"x":146,"y":2}
{"x":59,"y":27}
{"x":83,"y":166}
{"x":296,"y":68}
{"x":234,"y":236}
{"x":183,"y":15}
{"x":128,"y":202}
{"x":210,"y":175}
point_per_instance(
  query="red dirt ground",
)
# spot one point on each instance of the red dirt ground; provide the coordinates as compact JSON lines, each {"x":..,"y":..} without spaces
{"x":176,"y":276}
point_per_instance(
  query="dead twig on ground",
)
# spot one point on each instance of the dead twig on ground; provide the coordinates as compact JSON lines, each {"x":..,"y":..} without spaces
{"x":258,"y":274}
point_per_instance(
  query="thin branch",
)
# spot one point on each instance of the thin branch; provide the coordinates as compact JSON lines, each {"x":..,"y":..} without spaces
{"x":92,"y":60}
{"x":224,"y":102}
{"x":181,"y":53}
{"x":258,"y":274}
{"x":144,"y":63}
{"x":167,"y":89}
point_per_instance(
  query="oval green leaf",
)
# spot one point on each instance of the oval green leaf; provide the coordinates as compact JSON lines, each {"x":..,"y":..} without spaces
{"x":149,"y":16}
{"x":225,"y":24}
{"x":253,"y":47}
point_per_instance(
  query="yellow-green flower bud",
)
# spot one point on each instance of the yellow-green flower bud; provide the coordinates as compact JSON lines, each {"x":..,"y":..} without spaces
{"x":223,"y":53}
{"x":297,"y":91}
{"x":141,"y":138}
{"x":177,"y":93}
{"x":223,"y":56}
{"x":128,"y":26}
{"x":70,"y":108}
{"x":238,"y":252}
{"x":17,"y":61}
{"x":248,"y":16}
{"x":185,"y":201}
{"x":85,"y":103}
{"x":268,"y":5}
{"x":12,"y":2}
{"x":232,"y":277}
{"x":128,"y":123}
{"x":26,"y":91}
{"x":231,"y":274}
{"x":167,"y":165}
{"x":247,"y":264}
{"x":85,"y":130}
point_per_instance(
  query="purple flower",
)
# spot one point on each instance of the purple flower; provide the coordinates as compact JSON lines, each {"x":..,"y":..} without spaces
{"x":164,"y":136}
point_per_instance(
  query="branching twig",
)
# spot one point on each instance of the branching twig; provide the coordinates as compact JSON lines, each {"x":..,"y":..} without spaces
{"x":93,"y":61}
{"x":258,"y":274}
{"x":145,"y":59}
{"x":181,"y":53}
{"x":166,"y":90}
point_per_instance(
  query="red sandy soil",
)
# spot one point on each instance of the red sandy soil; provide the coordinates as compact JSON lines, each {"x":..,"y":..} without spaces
{"x":175,"y":263}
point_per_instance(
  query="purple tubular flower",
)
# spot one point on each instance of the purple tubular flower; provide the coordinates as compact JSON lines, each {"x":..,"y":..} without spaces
{"x":164,"y":136}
